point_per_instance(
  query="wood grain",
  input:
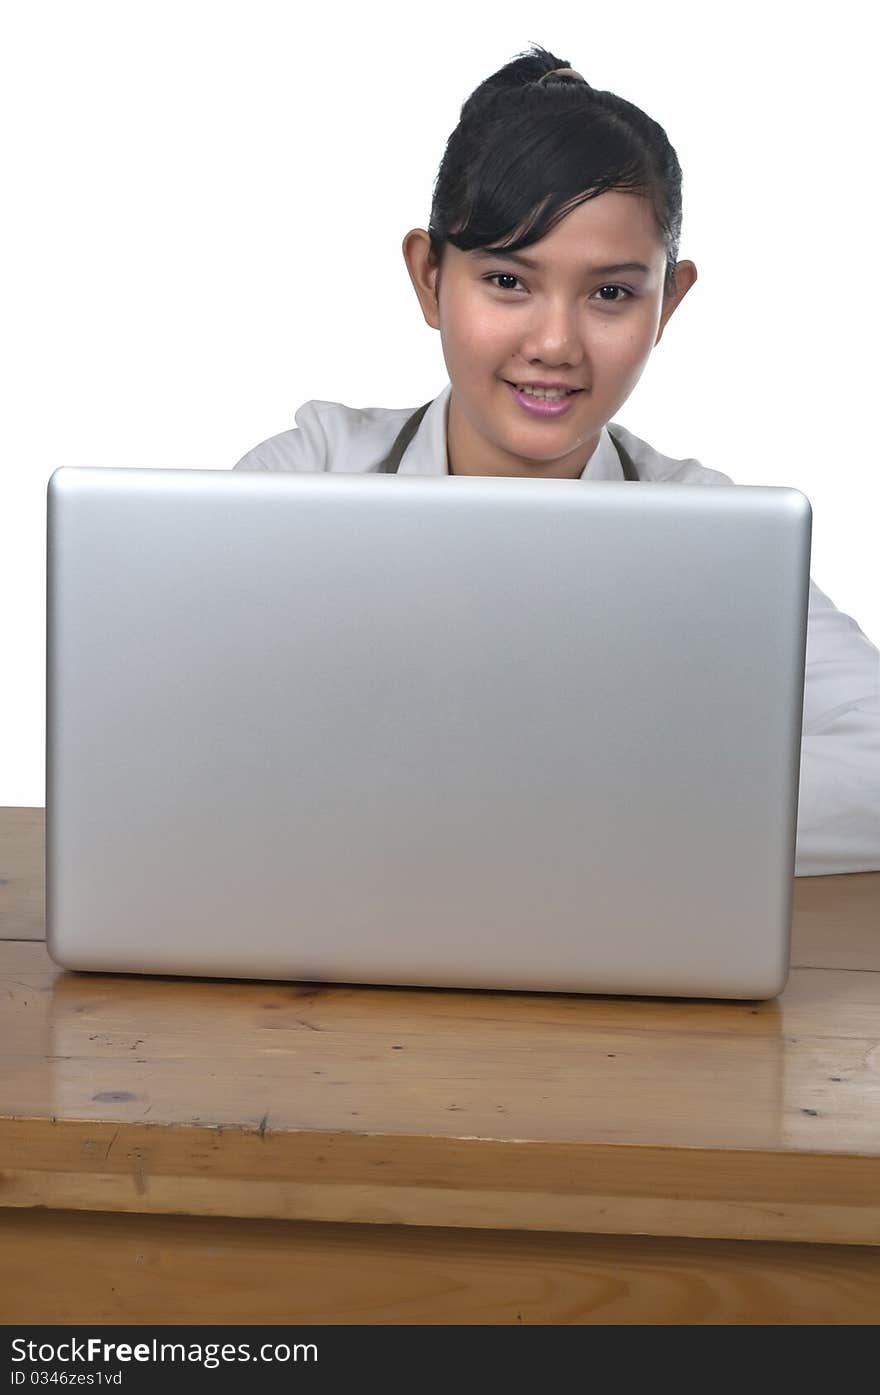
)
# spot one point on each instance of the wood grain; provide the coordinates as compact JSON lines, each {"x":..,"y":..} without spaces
{"x":22,"y":874}
{"x":443,"y":1107}
{"x":469,"y":1183}
{"x":836,"y":922}
{"x":179,"y":1269}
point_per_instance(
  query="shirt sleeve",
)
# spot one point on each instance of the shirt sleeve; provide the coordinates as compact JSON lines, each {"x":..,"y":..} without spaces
{"x":301,"y":449}
{"x":838,"y":826}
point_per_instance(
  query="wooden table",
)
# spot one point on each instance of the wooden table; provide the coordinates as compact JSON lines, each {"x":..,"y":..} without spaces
{"x":180,"y":1150}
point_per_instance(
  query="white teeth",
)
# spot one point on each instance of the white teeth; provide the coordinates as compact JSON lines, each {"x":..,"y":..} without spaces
{"x":552,"y":394}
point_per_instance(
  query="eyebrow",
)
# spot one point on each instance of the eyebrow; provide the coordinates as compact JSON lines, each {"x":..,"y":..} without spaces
{"x":486,"y":254}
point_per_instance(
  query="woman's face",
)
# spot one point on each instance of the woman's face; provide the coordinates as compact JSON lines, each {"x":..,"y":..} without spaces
{"x":576,"y":316}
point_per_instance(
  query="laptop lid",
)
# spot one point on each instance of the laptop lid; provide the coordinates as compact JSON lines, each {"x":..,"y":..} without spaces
{"x":453,"y":731}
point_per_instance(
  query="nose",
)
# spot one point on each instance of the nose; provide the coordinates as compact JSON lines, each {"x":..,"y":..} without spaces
{"x":555,"y":336}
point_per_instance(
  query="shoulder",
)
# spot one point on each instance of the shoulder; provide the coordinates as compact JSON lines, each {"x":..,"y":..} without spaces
{"x":654,"y":467}
{"x":330,"y":436}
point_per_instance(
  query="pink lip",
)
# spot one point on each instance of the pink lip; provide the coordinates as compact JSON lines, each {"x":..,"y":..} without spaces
{"x":538,"y":408}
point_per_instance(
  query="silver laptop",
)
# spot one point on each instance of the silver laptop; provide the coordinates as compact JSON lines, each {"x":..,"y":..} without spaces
{"x":454,"y":731}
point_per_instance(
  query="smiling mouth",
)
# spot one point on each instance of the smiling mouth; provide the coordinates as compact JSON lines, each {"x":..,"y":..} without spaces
{"x":569,"y":392}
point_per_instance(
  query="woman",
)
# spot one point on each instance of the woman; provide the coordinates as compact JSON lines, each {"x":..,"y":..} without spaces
{"x":550,"y":267}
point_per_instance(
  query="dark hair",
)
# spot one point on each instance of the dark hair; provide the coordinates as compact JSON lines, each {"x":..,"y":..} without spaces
{"x":526,"y":152}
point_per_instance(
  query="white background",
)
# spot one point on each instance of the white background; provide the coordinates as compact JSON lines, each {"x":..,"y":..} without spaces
{"x":204,"y":205}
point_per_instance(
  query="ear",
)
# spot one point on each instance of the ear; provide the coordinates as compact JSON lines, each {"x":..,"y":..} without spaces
{"x":685,"y":276}
{"x":423,"y":274}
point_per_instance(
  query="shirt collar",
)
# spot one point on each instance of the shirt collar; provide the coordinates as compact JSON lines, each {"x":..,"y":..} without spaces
{"x":426,"y":452}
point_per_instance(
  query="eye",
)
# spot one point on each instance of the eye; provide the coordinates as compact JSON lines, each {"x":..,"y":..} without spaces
{"x":502,"y":275}
{"x":625,"y":294}
{"x":616,"y":301}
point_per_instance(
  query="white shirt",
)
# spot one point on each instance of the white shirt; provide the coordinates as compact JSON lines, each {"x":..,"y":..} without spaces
{"x":838,"y":826}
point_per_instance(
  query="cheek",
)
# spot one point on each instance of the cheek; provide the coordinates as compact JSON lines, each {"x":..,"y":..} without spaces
{"x":469,"y":327}
{"x":626,"y":348}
